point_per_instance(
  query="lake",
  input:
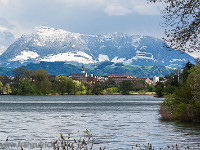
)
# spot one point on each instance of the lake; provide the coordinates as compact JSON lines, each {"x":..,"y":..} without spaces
{"x":116,"y":121}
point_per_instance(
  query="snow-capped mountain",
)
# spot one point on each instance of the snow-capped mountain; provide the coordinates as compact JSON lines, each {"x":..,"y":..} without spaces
{"x":52,"y":45}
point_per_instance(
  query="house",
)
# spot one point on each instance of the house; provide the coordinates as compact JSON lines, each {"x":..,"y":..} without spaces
{"x":119,"y":79}
{"x":155,"y":79}
{"x":102,"y":79}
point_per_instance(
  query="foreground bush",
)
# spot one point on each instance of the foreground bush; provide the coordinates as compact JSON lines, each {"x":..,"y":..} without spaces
{"x":184,"y":103}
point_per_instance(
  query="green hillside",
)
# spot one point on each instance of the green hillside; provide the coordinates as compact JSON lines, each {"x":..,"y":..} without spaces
{"x":103,"y":69}
{"x":6,"y":71}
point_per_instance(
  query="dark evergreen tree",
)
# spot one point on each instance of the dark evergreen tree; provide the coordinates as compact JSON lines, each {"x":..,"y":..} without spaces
{"x":125,"y":87}
{"x":186,"y":71}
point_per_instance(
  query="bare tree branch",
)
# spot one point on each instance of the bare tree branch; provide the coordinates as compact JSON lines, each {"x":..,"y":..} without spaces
{"x":182,"y":24}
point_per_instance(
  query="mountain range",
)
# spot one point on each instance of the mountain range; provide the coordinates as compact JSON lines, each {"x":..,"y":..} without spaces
{"x":45,"y":44}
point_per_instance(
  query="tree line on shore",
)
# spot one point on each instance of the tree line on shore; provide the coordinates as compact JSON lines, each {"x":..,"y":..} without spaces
{"x":182,"y":95}
{"x":39,"y":82}
{"x":181,"y":89}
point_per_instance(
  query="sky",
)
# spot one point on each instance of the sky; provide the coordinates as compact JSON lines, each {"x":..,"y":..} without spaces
{"x":82,"y":16}
{"x":132,"y":17}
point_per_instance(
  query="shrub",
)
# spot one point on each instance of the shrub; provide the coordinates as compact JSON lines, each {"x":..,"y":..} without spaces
{"x":184,"y":103}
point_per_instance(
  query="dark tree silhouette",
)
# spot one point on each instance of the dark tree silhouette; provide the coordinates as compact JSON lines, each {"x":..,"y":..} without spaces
{"x":182,"y":24}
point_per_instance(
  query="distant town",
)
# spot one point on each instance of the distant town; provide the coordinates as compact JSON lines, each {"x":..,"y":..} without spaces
{"x":39,"y":82}
{"x":83,"y":76}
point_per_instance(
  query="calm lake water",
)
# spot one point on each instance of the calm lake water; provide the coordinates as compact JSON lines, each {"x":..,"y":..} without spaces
{"x":116,"y":121}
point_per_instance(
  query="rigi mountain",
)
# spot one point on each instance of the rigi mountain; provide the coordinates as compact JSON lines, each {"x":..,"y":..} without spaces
{"x":46,"y":44}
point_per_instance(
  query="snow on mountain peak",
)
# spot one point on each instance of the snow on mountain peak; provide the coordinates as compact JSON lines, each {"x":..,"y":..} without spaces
{"x":43,"y":29}
{"x":43,"y":34}
{"x":51,"y":45}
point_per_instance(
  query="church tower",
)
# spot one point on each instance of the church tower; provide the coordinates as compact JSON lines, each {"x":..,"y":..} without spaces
{"x":82,"y":70}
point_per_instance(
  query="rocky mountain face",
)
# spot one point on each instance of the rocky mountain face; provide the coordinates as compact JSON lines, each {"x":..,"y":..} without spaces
{"x":46,"y":44}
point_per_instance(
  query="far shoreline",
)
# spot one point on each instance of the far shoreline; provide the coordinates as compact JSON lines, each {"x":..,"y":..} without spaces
{"x":131,"y":93}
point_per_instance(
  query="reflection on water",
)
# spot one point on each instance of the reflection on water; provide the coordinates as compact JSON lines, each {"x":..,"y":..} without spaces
{"x":116,"y":121}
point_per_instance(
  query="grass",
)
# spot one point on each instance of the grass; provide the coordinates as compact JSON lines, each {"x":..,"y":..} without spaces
{"x":87,"y":141}
{"x":142,"y":93}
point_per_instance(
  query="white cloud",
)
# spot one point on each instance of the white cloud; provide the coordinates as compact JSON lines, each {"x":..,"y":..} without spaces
{"x":194,"y":54}
{"x":146,"y":9}
{"x":2,"y":29}
{"x":75,"y":3}
{"x":2,"y":49}
{"x":82,"y":16}
{"x":4,"y":2}
{"x":125,"y":7}
{"x":13,"y":28}
{"x":117,"y":10}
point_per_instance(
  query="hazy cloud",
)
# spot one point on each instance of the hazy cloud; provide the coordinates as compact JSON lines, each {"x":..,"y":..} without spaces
{"x":4,"y":2}
{"x":117,"y":10}
{"x":125,"y":7}
{"x":84,"y":16}
{"x":6,"y":34}
{"x":4,"y":24}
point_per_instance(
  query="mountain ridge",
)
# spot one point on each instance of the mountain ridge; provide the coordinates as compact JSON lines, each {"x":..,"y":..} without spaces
{"x":52,"y":45}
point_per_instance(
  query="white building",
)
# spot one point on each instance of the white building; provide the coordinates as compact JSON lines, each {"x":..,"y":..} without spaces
{"x":155,"y":79}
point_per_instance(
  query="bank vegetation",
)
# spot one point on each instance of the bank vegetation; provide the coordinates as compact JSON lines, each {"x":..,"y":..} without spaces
{"x":182,"y":95}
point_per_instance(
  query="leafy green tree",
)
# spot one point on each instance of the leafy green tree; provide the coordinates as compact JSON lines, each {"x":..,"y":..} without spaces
{"x":70,"y":85}
{"x":41,"y":82}
{"x":150,"y":88}
{"x":169,"y":89}
{"x":78,"y":86}
{"x":138,"y":85}
{"x":88,"y":87}
{"x":125,"y":87}
{"x":194,"y":81}
{"x":109,"y":83}
{"x":96,"y":88}
{"x":8,"y":89}
{"x":112,"y":90}
{"x":172,"y":79}
{"x":64,"y":85}
{"x":25,"y":87}
{"x":81,"y":87}
{"x":5,"y":80}
{"x":184,"y":103}
{"x":159,"y":89}
{"x":20,"y":73}
{"x":186,"y":71}
{"x":61,"y":83}
{"x":1,"y":87}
